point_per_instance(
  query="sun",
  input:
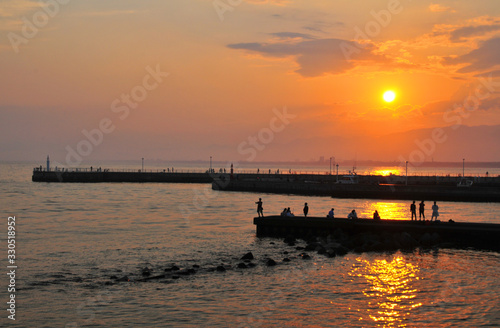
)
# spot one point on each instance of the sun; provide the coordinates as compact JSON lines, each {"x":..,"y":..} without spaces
{"x":389,"y":96}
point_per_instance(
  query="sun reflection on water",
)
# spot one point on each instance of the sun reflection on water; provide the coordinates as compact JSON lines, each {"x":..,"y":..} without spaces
{"x":387,"y":210}
{"x":390,"y":293}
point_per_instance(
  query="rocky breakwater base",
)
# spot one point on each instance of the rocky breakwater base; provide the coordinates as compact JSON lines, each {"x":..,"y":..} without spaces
{"x":339,"y":236}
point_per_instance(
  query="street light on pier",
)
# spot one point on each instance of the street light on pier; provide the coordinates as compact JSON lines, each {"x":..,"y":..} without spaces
{"x":406,"y":172}
{"x":337,"y":173}
{"x":463,"y":167}
{"x":210,"y":164}
{"x":330,"y":165}
{"x":143,"y":164}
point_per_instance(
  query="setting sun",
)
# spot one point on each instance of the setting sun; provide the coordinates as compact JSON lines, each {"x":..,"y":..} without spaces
{"x":389,"y":96}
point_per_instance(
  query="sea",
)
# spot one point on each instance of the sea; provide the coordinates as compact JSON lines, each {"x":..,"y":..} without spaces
{"x":81,"y":251}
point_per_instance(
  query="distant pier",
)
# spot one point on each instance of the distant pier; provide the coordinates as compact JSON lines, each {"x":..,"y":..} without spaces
{"x":99,"y":175}
{"x":438,"y":188}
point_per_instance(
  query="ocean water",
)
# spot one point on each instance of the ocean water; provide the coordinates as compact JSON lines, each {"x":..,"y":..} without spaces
{"x":73,"y":239}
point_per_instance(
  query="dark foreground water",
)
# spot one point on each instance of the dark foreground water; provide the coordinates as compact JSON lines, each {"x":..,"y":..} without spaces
{"x":73,"y":239}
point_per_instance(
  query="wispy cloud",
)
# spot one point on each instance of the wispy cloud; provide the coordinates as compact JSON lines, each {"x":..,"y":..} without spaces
{"x":486,"y":57}
{"x":436,"y":7}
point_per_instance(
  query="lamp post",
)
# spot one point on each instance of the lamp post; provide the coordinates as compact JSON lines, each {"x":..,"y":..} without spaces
{"x":330,"y":166}
{"x":143,"y":164}
{"x":463,"y":167}
{"x":337,"y":173}
{"x":406,"y":172}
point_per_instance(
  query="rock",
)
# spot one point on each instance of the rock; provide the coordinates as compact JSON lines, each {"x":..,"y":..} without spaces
{"x":242,"y":265}
{"x":175,"y":277}
{"x":285,"y":252}
{"x":341,"y":250}
{"x":174,"y":268}
{"x":305,"y":256}
{"x":321,"y":250}
{"x":220,"y":268}
{"x":426,"y":239}
{"x":271,"y":262}
{"x":196,"y":266}
{"x":146,"y":272}
{"x":331,"y":252}
{"x":272,"y":243}
{"x":286,"y":259}
{"x":124,"y":279}
{"x":248,"y":256}
{"x":251,"y":265}
{"x":113,"y":277}
{"x":299,"y":248}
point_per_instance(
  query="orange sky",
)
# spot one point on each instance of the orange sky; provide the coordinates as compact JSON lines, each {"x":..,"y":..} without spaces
{"x":215,"y":78}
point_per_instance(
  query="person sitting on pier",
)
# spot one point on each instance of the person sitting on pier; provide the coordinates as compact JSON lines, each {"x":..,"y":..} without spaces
{"x":352,"y":215}
{"x":260,"y":209}
{"x":435,"y":212}
{"x":306,"y":209}
{"x":289,"y":212}
{"x":421,"y":209}
{"x":413,"y":210}
{"x":376,"y":216}
{"x":284,"y":212}
{"x":331,"y":214}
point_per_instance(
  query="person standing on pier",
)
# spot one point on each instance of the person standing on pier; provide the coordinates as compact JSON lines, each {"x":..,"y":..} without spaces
{"x":260,"y":209}
{"x":421,"y":209}
{"x":413,"y":210}
{"x":306,"y":209}
{"x":435,"y":212}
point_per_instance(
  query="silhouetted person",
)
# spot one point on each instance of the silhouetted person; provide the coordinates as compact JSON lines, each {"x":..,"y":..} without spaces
{"x":284,"y":212}
{"x":306,"y":209}
{"x":289,"y":212}
{"x":435,"y":212}
{"x":421,"y":209}
{"x":260,"y":209}
{"x":413,"y":210}
{"x":331,"y":215}
{"x":352,"y":215}
{"x":376,"y":216}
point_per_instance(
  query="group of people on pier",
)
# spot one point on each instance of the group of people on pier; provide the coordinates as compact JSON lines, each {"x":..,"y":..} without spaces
{"x":353,"y":215}
{"x":421,"y":211}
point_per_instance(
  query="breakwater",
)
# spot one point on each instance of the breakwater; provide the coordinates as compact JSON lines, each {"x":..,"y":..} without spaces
{"x":120,"y":176}
{"x":369,"y":235}
{"x":371,"y":187}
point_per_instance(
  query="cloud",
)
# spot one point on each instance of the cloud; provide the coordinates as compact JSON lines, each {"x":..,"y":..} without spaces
{"x":487,"y":56}
{"x":317,"y":57}
{"x":435,"y":8}
{"x":291,"y":35}
{"x":460,"y":34}
{"x":495,"y":73}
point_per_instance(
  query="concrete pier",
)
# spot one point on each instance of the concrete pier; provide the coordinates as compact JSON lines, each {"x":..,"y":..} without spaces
{"x":370,"y":187}
{"x":368,"y":234}
{"x":120,"y":176}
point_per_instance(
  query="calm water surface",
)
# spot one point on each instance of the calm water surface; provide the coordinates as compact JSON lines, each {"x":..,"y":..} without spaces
{"x":71,"y":238}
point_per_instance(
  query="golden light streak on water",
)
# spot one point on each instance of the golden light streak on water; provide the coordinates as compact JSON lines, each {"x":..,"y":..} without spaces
{"x":387,"y":210}
{"x":390,"y":293}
